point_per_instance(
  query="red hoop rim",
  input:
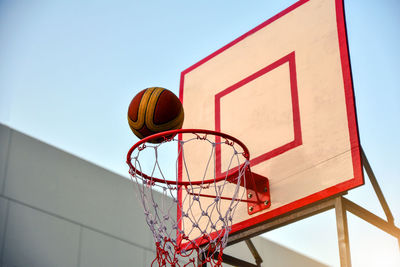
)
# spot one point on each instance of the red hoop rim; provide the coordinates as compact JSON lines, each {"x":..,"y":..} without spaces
{"x":246,"y":154}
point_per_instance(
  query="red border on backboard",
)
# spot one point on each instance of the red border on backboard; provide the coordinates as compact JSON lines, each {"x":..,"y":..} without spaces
{"x":358,"y":178}
{"x":290,"y":59}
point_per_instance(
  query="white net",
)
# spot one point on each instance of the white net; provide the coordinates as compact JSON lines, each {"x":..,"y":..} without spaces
{"x":189,"y":215}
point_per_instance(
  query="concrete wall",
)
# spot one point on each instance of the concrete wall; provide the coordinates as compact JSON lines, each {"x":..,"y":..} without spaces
{"x":59,"y":210}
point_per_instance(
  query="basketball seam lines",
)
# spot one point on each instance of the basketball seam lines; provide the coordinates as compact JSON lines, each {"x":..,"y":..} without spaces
{"x":142,"y":110}
{"x":138,"y":134}
{"x":150,"y":114}
{"x":153,"y":99}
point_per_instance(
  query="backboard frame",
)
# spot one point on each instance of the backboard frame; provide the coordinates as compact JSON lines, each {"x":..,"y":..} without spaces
{"x":337,"y":189}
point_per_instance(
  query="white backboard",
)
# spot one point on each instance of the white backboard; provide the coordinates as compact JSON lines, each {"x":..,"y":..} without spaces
{"x":285,"y":90}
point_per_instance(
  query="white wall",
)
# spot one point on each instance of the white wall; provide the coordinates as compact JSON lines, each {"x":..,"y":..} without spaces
{"x":59,"y":210}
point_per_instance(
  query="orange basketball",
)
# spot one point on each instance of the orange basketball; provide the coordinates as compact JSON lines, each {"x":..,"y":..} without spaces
{"x":155,"y":110}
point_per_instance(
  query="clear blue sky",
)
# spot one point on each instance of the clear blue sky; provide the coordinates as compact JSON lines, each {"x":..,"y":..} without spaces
{"x":68,"y":70}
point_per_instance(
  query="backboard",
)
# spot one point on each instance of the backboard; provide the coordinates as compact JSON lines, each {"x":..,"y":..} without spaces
{"x":285,"y":90}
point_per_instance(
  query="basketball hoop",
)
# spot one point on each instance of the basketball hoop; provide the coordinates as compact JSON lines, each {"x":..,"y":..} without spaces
{"x":190,"y":226}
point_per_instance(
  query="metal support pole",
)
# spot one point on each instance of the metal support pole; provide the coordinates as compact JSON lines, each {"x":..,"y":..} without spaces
{"x":237,"y":262}
{"x":343,"y":233}
{"x":254,"y":252}
{"x":377,"y":188}
{"x":378,"y":192}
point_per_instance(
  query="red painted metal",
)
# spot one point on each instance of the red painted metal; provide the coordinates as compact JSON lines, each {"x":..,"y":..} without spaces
{"x":251,"y":183}
{"x":258,"y":191}
{"x":228,"y":140}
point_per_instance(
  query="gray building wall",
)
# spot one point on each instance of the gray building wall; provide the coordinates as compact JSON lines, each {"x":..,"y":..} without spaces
{"x":59,"y":210}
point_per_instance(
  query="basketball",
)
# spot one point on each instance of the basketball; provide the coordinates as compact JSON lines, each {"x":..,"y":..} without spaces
{"x":155,"y":110}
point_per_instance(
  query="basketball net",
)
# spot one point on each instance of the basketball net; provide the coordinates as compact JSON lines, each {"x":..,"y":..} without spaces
{"x":190,"y":226}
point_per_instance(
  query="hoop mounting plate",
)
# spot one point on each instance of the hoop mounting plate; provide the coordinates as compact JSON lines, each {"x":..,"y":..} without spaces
{"x":257,"y":192}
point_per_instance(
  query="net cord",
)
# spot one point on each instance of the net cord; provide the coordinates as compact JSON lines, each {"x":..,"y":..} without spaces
{"x":177,"y":223}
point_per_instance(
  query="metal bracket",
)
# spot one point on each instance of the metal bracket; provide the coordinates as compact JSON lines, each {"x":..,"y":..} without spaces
{"x":257,"y":190}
